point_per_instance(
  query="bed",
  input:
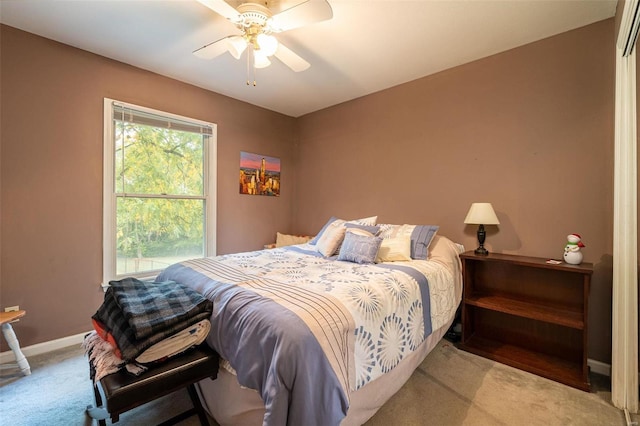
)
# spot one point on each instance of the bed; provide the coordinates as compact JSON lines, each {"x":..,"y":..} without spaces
{"x":309,"y":339}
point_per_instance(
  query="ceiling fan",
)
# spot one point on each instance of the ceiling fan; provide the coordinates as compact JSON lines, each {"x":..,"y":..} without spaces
{"x":255,"y":25}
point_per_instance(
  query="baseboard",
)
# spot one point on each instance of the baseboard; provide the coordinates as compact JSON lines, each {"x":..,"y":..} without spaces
{"x":44,"y":347}
{"x":599,"y":367}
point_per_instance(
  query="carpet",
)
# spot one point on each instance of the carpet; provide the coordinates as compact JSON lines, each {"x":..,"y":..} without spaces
{"x":451,"y":387}
{"x":454,"y":387}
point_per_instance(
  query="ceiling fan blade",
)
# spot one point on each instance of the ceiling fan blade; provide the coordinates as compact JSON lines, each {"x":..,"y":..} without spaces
{"x":290,"y":59}
{"x":213,"y":49}
{"x":305,"y":13}
{"x":221,"y":7}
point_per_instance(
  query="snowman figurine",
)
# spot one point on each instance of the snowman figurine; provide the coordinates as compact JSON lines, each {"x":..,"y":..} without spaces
{"x":572,"y":253}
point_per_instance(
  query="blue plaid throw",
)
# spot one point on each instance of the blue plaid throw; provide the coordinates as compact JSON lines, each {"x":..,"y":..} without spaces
{"x":140,"y":314}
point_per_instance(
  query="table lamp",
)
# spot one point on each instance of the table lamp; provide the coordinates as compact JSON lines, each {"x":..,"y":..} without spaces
{"x":481,"y":214}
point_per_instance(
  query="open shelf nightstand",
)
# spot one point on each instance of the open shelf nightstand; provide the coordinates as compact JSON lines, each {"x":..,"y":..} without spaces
{"x":528,"y":314}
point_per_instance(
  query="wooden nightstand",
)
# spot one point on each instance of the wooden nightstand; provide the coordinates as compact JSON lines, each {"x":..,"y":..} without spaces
{"x":528,"y":314}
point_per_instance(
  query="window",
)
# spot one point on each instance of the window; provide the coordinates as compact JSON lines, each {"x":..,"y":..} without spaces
{"x":159,"y":190}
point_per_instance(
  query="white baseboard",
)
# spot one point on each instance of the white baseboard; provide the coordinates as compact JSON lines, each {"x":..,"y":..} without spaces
{"x":44,"y":347}
{"x":599,"y":367}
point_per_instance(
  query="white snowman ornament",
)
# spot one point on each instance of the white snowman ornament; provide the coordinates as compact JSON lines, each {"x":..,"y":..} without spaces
{"x":572,"y":253}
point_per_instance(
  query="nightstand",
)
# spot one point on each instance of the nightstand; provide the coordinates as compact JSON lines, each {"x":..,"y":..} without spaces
{"x":526,"y":313}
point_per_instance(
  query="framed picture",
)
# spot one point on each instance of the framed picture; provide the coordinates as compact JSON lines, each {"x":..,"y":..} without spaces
{"x":259,"y":174}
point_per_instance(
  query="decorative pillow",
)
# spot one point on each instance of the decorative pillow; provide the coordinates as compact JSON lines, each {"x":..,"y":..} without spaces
{"x":369,"y":221}
{"x":366,"y":230}
{"x":394,"y":250}
{"x":315,"y":239}
{"x":388,"y":230}
{"x":359,"y":248}
{"x":289,"y":240}
{"x":421,"y":236}
{"x":331,"y":238}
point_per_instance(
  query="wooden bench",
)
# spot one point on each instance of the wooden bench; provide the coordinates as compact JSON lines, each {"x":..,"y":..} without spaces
{"x":121,"y":391}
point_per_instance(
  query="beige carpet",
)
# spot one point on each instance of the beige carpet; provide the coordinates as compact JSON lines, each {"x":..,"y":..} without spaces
{"x":451,"y":387}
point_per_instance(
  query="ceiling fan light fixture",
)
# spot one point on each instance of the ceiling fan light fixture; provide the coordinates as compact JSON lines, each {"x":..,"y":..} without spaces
{"x":237,"y":45}
{"x":255,"y":22}
{"x":260,"y":60}
{"x":268,"y":44}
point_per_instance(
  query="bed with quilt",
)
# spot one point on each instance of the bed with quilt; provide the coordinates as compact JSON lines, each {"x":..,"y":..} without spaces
{"x":324,"y":333}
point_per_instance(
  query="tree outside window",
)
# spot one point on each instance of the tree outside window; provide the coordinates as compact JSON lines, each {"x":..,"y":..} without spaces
{"x":159,"y":188}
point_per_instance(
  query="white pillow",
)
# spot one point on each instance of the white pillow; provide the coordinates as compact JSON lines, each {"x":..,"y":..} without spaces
{"x":283,"y":240}
{"x":369,"y":221}
{"x":421,"y":236}
{"x":395,"y":249}
{"x":359,"y":231}
{"x":366,"y":221}
{"x":331,"y":239}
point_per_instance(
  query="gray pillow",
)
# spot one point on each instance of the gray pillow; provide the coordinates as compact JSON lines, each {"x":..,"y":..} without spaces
{"x":359,"y":249}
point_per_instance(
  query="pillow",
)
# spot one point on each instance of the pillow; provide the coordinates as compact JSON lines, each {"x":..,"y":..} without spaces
{"x":365,"y":230}
{"x":389,"y":231}
{"x":394,"y":249}
{"x":326,"y":225}
{"x":331,"y":238}
{"x":289,"y":240}
{"x":421,"y":236}
{"x":359,"y":248}
{"x":369,"y":221}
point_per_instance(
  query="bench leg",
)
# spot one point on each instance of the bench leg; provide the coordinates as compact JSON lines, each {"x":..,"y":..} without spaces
{"x":197,"y":409}
{"x":98,"y":412}
{"x":197,"y":405}
{"x":13,"y":343}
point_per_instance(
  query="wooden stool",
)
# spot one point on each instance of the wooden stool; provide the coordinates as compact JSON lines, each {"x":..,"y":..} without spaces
{"x":6,"y":318}
{"x":122,"y":391}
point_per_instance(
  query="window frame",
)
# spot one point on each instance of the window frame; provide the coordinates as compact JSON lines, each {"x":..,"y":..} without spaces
{"x":109,"y":202}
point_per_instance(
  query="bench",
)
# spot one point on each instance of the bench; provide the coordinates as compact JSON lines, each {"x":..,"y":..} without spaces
{"x":120,"y":392}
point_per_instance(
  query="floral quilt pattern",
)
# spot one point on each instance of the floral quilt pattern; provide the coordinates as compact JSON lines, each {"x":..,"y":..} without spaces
{"x":386,"y":304}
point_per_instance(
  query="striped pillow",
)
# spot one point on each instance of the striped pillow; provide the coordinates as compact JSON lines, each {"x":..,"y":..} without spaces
{"x":369,"y":221}
{"x":421,"y":236}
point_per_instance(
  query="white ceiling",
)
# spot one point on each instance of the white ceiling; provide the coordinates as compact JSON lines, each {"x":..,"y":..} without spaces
{"x":369,"y":45}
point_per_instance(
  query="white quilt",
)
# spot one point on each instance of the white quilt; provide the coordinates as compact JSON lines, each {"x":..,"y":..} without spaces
{"x":386,"y":305}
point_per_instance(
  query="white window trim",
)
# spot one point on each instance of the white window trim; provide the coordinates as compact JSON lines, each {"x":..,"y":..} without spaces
{"x":109,"y":194}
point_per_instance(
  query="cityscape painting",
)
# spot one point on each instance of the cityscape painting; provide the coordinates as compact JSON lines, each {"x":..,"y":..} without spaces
{"x":259,"y":174}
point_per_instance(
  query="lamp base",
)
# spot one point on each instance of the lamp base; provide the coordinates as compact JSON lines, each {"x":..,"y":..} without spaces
{"x":481,"y":251}
{"x":481,"y":235}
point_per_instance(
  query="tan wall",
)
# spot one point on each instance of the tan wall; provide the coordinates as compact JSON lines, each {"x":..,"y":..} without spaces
{"x":529,"y":130}
{"x":51,"y":186}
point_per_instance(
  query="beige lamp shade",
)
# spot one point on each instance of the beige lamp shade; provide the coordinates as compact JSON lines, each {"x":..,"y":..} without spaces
{"x":481,"y":214}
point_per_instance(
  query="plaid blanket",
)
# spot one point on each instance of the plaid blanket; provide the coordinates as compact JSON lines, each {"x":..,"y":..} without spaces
{"x":151,"y":308}
{"x":134,"y":308}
